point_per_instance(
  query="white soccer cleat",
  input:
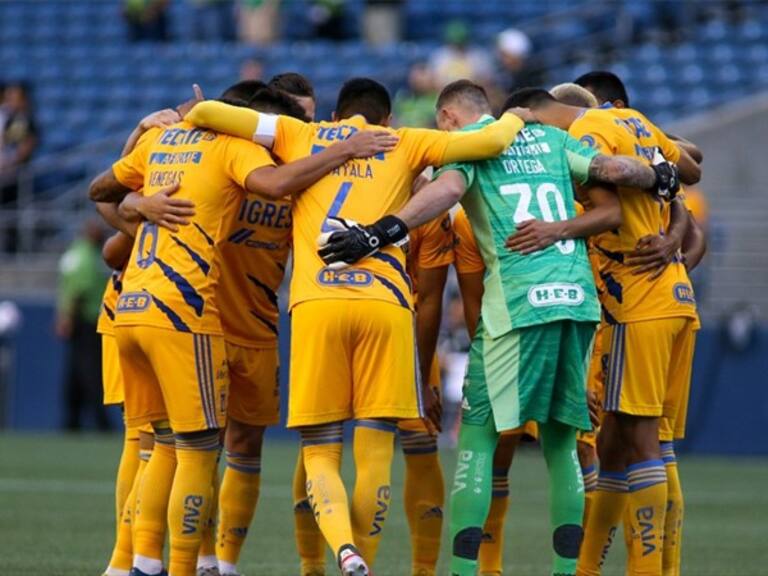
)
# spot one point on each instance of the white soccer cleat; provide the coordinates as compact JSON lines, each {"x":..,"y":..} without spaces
{"x":351,"y":563}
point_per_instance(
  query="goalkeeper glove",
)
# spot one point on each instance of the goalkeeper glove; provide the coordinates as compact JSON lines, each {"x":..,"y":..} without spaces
{"x":349,"y":242}
{"x":667,"y":177}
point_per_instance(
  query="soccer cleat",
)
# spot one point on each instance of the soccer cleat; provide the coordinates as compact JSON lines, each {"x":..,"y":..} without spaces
{"x":351,"y":563}
{"x":212,"y":571}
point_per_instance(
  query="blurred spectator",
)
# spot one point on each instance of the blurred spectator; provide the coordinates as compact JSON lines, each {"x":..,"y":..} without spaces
{"x":513,"y":48}
{"x":258,"y":21}
{"x":146,"y":19}
{"x":18,"y":140}
{"x":213,"y":19}
{"x":327,"y":18}
{"x":457,"y":60}
{"x":82,"y":275}
{"x":415,"y":106}
{"x":382,"y":22}
{"x":251,"y":69}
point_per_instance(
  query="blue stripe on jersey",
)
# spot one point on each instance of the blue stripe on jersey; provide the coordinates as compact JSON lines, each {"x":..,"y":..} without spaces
{"x":202,"y":264}
{"x":395,"y":263}
{"x":201,"y":376}
{"x":613,"y":286}
{"x":394,"y":289}
{"x":264,"y":321}
{"x":109,"y":312}
{"x":117,"y":284}
{"x":175,"y":319}
{"x":270,"y":294}
{"x":240,"y":236}
{"x":204,"y":233}
{"x":189,"y":294}
{"x":615,"y":256}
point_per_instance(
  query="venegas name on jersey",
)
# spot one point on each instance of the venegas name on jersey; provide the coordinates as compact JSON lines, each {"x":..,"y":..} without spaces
{"x":555,"y":294}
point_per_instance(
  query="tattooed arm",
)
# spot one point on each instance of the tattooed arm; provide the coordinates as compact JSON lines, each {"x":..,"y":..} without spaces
{"x":621,"y":171}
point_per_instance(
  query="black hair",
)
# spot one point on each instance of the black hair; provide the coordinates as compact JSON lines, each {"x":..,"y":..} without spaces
{"x":528,"y":98}
{"x":467,"y":91}
{"x":275,"y":101}
{"x":606,"y":86}
{"x":294,"y":84}
{"x":366,"y":97}
{"x":242,"y":92}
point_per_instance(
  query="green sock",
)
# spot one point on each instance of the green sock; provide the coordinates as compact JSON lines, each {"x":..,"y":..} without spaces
{"x":471,"y":494}
{"x":566,"y":494}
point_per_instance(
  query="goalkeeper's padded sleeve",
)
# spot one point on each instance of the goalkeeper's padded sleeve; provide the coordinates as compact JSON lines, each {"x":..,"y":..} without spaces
{"x":487,"y":142}
{"x":225,"y":118}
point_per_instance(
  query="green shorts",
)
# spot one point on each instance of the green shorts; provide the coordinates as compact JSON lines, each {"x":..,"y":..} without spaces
{"x":533,"y":373}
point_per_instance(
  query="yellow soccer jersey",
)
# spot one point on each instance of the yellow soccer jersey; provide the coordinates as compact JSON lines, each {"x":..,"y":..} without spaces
{"x":627,"y":297}
{"x":106,"y":324}
{"x":171,"y":278}
{"x":360,"y":190}
{"x":467,"y":257}
{"x":253,"y":256}
{"x":429,"y":246}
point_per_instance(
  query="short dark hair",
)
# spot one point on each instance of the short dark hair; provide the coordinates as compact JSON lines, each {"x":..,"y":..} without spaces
{"x":243,"y":91}
{"x":294,"y":84}
{"x":366,"y":97}
{"x":467,"y":91}
{"x":275,"y":101}
{"x":606,"y":86}
{"x":528,"y":98}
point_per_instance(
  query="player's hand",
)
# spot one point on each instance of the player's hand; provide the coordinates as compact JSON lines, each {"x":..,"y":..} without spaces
{"x":184,"y":108}
{"x":349,"y":241}
{"x":164,"y":210}
{"x":652,"y":255}
{"x":594,"y":408}
{"x":667,"y":177}
{"x":433,"y":410}
{"x":534,"y":235}
{"x":367,"y":143}
{"x":159,"y":119}
{"x":525,"y":114}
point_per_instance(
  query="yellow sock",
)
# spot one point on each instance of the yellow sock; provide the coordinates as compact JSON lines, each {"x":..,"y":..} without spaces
{"x":190,"y":499}
{"x":590,"y":485}
{"x":126,"y":472}
{"x":206,"y":557}
{"x":310,"y":543}
{"x":423,"y":498}
{"x":628,"y":542}
{"x":151,"y":512}
{"x":122,"y":553}
{"x":374,"y":449}
{"x":673,"y":523}
{"x":237,"y":504}
{"x":606,"y":511}
{"x":489,"y":560}
{"x":647,"y":503}
{"x":322,"y":449}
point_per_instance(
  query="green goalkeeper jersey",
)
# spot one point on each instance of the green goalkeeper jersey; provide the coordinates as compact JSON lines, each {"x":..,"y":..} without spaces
{"x":530,"y":179}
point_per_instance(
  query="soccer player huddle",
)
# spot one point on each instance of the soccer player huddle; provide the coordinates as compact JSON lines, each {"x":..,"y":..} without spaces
{"x":572,"y":247}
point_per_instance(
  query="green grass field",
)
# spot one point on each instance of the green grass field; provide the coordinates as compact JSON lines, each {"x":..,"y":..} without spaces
{"x":56,"y":513}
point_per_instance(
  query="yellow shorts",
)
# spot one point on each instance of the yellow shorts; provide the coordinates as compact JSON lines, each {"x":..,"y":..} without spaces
{"x":589,"y":438}
{"x":352,"y":359}
{"x":598,"y":365}
{"x":111,"y":377}
{"x":530,"y":429}
{"x":417,"y":424}
{"x":254,"y":385}
{"x":176,"y":376}
{"x":649,"y":368}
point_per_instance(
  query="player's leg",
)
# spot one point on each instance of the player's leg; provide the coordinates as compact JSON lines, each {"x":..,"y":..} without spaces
{"x":490,"y":561}
{"x":473,"y":478}
{"x":673,"y":428}
{"x":207,"y":563}
{"x":585,"y":448}
{"x":310,"y":542}
{"x":126,"y":470}
{"x":312,"y":405}
{"x":254,"y":404}
{"x":424,"y":493}
{"x":385,"y":389}
{"x":195,"y":393}
{"x":144,"y":403}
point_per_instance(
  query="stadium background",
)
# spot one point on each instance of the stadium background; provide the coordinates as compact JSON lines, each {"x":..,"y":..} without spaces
{"x":697,"y":68}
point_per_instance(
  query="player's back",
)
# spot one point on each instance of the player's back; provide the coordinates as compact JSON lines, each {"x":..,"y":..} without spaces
{"x":531,"y":179}
{"x":628,"y":296}
{"x":171,"y":278}
{"x":362,"y":190}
